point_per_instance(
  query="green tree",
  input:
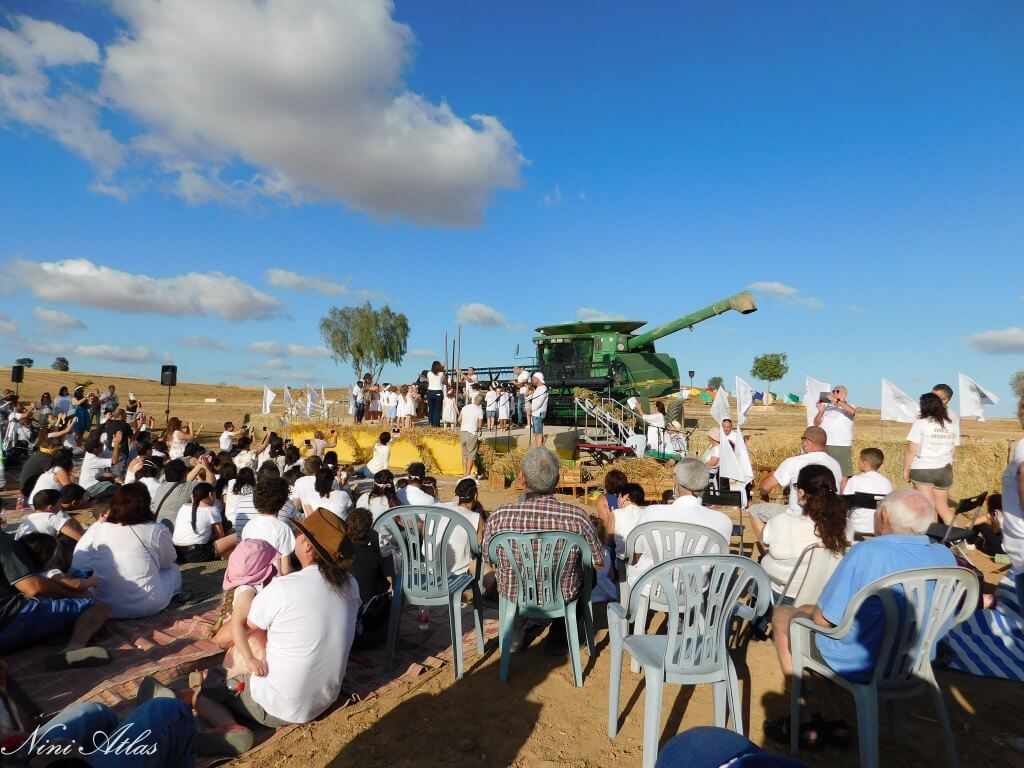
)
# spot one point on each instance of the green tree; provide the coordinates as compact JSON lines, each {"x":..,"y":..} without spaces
{"x":715,"y":382}
{"x":28,"y":362}
{"x":60,"y":364}
{"x":770,"y":367}
{"x":365,"y":337}
{"x":1017,"y":383}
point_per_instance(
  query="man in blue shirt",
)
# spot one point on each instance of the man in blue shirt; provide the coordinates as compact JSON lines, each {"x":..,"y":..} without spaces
{"x":900,"y":545}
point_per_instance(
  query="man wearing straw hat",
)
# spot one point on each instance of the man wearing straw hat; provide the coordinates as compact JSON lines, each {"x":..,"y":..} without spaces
{"x":309,"y":620}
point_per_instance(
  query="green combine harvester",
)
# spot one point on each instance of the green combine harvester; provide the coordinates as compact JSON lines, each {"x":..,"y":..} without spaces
{"x":609,"y":359}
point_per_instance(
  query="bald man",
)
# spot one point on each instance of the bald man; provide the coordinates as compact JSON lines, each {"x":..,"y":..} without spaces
{"x":812,"y":446}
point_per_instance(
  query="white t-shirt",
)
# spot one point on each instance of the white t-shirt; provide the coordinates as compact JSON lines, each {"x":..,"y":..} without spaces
{"x":625,"y":521}
{"x":47,"y":482}
{"x":491,"y":400}
{"x":435,"y":380}
{"x":376,"y":505}
{"x":789,"y":470}
{"x":413,"y":496}
{"x":49,"y":523}
{"x":151,"y":484}
{"x":310,"y":627}
{"x":206,"y":518}
{"x":655,"y":431}
{"x":862,"y":519}
{"x":380,"y":459}
{"x":460,"y":556}
{"x":304,"y":490}
{"x":337,"y":502}
{"x":272,"y":530}
{"x":91,"y":466}
{"x":786,"y":536}
{"x":178,"y":442}
{"x":226,"y":440}
{"x":239,"y":509}
{"x":1013,"y":513}
{"x":935,"y":443}
{"x":685,"y":509}
{"x":470,"y":419}
{"x":838,"y":425}
{"x":539,"y":402}
{"x":134,"y":564}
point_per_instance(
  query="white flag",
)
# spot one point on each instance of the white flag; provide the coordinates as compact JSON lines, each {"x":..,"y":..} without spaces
{"x":973,"y":398}
{"x":897,"y":405}
{"x":268,"y":398}
{"x":734,"y":461}
{"x":289,"y":403}
{"x":323,"y":403}
{"x":744,"y":400}
{"x":311,"y":401}
{"x":720,"y":407}
{"x":812,"y":393}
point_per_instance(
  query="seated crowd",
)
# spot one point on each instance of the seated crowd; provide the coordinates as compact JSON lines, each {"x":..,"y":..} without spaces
{"x":308,"y":577}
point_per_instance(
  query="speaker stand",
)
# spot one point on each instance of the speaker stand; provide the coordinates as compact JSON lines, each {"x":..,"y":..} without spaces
{"x":167,"y":410}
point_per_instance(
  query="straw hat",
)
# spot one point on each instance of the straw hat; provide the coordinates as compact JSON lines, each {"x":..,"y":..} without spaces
{"x":715,"y":433}
{"x":676,"y":426}
{"x":329,"y":536}
{"x":539,"y":376}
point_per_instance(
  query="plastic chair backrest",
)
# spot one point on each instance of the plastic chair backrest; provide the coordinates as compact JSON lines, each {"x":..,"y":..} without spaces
{"x":821,"y":565}
{"x":422,"y":535}
{"x":919,"y":605}
{"x":666,"y":539}
{"x":538,"y":559}
{"x":702,"y":593}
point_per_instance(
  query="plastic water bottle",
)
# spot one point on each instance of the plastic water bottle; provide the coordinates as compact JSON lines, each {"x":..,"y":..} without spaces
{"x":424,"y":617}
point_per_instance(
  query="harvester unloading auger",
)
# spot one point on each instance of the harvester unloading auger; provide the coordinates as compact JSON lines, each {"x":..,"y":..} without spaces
{"x":608,"y":358}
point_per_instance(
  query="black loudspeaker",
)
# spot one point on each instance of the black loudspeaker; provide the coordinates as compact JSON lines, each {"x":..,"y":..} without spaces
{"x":17,"y":374}
{"x":168,"y":375}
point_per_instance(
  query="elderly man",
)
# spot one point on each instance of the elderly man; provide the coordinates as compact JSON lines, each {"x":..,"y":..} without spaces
{"x":690,"y":478}
{"x":813,"y":452}
{"x":538,"y":510}
{"x":538,"y":409}
{"x":836,"y":418}
{"x":900,"y":522}
{"x":522,"y":379}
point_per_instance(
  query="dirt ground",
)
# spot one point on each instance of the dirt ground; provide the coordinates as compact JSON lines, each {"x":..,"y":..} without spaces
{"x":540,"y":719}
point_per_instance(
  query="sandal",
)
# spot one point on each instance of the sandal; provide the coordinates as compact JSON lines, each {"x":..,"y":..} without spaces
{"x":812,"y":733}
{"x":90,"y":656}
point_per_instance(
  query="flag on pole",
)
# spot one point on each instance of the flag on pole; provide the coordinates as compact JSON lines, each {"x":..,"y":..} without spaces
{"x":792,"y":398}
{"x":744,"y":400}
{"x":323,"y":403}
{"x":897,"y":405}
{"x":311,"y":401}
{"x":289,"y":403}
{"x":734,"y":462}
{"x":268,"y":398}
{"x":720,"y":407}
{"x":973,"y":398}
{"x":812,"y":392}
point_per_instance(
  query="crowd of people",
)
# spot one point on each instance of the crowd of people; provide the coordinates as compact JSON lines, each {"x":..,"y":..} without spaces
{"x":308,"y":577}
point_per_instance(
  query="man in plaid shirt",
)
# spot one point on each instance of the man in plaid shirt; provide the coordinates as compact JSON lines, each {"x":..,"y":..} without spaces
{"x":538,"y":510}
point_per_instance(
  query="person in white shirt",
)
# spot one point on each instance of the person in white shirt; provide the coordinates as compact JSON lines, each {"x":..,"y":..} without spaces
{"x":357,"y":402}
{"x":626,"y":515}
{"x":380,"y":459}
{"x":836,"y":418}
{"x":228,"y":436}
{"x":413,"y":493}
{"x":813,"y":446}
{"x":328,"y":494}
{"x":930,"y":452}
{"x":690,"y":478}
{"x":656,"y":424}
{"x":823,"y":521}
{"x":470,"y":421}
{"x":304,"y":488}
{"x":94,"y":475}
{"x":435,"y":392}
{"x":491,"y":405}
{"x":309,"y":618}
{"x":1012,"y":517}
{"x":199,"y":530}
{"x":538,"y":409}
{"x":522,"y":381}
{"x":468,"y":382}
{"x":712,"y":456}
{"x":449,"y":409}
{"x":270,"y":495}
{"x":460,"y":555}
{"x":869,"y":480}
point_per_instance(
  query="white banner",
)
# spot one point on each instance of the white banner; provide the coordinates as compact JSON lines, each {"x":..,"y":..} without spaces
{"x":268,"y":398}
{"x":744,"y":400}
{"x":720,"y":407}
{"x":323,"y":403}
{"x":897,"y":405}
{"x":311,"y":402}
{"x":734,"y":461}
{"x":812,"y":392}
{"x":973,"y":398}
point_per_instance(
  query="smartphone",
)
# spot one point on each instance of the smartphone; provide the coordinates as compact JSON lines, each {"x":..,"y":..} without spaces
{"x":309,"y":443}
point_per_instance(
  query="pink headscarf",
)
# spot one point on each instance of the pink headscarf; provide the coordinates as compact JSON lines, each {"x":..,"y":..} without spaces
{"x":251,"y":563}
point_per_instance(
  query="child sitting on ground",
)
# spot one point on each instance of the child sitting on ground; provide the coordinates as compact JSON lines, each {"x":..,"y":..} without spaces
{"x":270,"y":495}
{"x":50,"y":518}
{"x":251,"y":566}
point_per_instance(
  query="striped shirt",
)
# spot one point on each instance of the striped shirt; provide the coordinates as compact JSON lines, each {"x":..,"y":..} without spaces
{"x":542,"y":513}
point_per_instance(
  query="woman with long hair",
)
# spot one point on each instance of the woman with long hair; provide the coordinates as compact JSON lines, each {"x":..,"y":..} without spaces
{"x":823,"y":521}
{"x":608,"y":501}
{"x":931,"y":449}
{"x":382,"y":496}
{"x":327,"y":494}
{"x":435,"y":392}
{"x":198,"y":530}
{"x":62,"y":462}
{"x":62,"y":403}
{"x":177,"y":436}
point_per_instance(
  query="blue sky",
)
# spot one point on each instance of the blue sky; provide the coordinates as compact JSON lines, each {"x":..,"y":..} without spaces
{"x":863,"y":165}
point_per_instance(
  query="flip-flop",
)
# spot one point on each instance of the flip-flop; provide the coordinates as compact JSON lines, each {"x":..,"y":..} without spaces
{"x":150,"y":688}
{"x":91,"y":656}
{"x":224,"y":742}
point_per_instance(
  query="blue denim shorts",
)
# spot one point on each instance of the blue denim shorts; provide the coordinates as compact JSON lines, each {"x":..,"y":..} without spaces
{"x":41,"y":619}
{"x":537,"y":425}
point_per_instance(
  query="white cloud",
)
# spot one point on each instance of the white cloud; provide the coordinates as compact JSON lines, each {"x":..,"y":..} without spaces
{"x":79,"y":281}
{"x":1009,"y":341}
{"x":590,"y":315}
{"x":266,"y":347}
{"x":109,"y":352}
{"x":7,"y":326}
{"x":423,"y":353}
{"x":481,"y":315}
{"x":299,"y":350}
{"x":56,"y":322}
{"x":276,"y":364}
{"x":554,"y":197}
{"x":854,"y":309}
{"x":277,"y":349}
{"x":198,"y":341}
{"x":787,"y":294}
{"x":312,"y":107}
{"x":283,"y":278}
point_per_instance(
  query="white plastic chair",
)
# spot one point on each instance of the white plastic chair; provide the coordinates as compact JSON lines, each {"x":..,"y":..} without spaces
{"x":702,"y":594}
{"x":821,"y":564}
{"x":933,"y":601}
